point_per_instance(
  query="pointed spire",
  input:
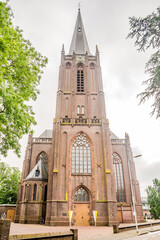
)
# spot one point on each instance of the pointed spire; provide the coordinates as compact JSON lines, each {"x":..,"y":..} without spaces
{"x":97,"y":56}
{"x":62,"y":55}
{"x":97,"y":51}
{"x":62,"y":47}
{"x":79,"y":43}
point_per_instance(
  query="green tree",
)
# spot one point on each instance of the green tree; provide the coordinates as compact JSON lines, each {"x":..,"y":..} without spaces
{"x":9,"y":181}
{"x":146,"y":31}
{"x":20,"y":73}
{"x":153,"y":198}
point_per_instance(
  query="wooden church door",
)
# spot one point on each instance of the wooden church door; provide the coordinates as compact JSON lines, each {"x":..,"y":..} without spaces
{"x":81,"y":213}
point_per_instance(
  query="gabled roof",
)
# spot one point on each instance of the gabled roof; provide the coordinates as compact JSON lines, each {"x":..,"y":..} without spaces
{"x":46,"y":134}
{"x":43,"y":175}
{"x":113,"y":136}
{"x":79,"y":43}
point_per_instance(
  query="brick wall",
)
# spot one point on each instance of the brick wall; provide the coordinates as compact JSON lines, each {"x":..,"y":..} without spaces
{"x":68,"y":235}
{"x":4,"y":229}
{"x":5,"y":207}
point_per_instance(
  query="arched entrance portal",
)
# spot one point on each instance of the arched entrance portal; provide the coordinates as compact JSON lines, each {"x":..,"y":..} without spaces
{"x":81,"y":212}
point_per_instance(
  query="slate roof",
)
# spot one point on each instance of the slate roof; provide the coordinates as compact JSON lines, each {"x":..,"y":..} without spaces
{"x":113,"y":136}
{"x":79,"y":43}
{"x":46,"y":134}
{"x":43,"y":175}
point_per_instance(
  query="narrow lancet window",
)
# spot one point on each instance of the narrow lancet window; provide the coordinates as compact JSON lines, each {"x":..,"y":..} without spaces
{"x":34,"y":192}
{"x":118,"y":172}
{"x":25,"y":192}
{"x":45,"y":193}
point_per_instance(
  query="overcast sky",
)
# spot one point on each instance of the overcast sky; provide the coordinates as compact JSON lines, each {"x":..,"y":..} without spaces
{"x":50,"y":23}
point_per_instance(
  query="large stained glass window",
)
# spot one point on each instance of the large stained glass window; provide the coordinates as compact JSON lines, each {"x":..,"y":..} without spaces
{"x":81,"y":155}
{"x":118,"y":172}
{"x":81,"y":195}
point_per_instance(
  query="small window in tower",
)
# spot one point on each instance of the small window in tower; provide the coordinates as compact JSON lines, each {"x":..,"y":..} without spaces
{"x":79,"y":29}
{"x":78,"y":110}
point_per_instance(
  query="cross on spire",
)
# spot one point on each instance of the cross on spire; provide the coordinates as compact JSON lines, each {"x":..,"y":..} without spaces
{"x":79,"y":6}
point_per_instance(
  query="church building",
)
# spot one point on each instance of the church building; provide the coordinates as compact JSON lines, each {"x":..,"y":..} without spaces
{"x":80,"y":165}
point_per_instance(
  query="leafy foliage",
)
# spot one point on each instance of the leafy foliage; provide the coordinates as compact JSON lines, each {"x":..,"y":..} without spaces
{"x":9,"y":181}
{"x":147,"y":33}
{"x":153,"y":198}
{"x":20,"y":73}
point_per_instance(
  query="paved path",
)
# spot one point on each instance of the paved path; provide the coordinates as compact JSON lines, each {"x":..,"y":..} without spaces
{"x":84,"y":232}
{"x":151,"y":235}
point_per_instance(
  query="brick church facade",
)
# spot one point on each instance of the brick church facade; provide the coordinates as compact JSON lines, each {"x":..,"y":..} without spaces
{"x":80,"y":166}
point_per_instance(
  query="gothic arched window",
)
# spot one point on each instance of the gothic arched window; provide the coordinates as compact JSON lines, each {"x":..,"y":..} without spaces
{"x":44,"y":159}
{"x":118,"y":172}
{"x":81,"y":155}
{"x":92,"y":65}
{"x":81,"y":195}
{"x":34,"y":192}
{"x":80,"y":80}
{"x":68,"y":65}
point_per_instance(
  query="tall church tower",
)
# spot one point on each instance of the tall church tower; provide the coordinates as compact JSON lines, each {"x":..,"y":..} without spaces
{"x":83,"y":175}
{"x":80,"y":166}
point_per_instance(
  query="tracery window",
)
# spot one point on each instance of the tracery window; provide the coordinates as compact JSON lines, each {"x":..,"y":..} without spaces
{"x":80,"y":81}
{"x":118,"y":172}
{"x":34,"y":192}
{"x":81,"y":195}
{"x":81,"y":155}
{"x":44,"y":159}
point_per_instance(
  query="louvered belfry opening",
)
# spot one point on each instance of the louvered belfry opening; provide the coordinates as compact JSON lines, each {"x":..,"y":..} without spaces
{"x":80,"y":81}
